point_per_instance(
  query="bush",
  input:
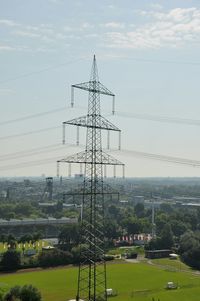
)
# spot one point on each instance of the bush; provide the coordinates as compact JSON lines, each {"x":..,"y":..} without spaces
{"x":131,"y":255}
{"x":24,"y":293}
{"x":54,"y":258}
{"x":10,"y":260}
{"x":109,"y":257}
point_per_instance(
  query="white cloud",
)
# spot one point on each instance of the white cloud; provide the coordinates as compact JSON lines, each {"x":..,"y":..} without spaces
{"x":42,"y":32}
{"x":68,"y":28}
{"x":86,"y":25}
{"x":4,"y":91}
{"x":6,"y":48}
{"x":113,"y":25}
{"x":91,"y":35}
{"x":25,"y":33}
{"x":111,"y":6}
{"x":9,"y":23}
{"x":167,"y":29}
{"x":156,"y":6}
{"x":81,"y":27}
{"x":56,"y":1}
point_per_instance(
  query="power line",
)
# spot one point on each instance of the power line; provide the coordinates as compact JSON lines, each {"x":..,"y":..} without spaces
{"x":132,"y":153}
{"x":29,"y":163}
{"x":36,"y":115}
{"x":40,"y":114}
{"x":168,"y":119}
{"x":40,"y":71}
{"x":30,"y":133}
{"x":171,"y":159}
{"x":158,"y":118}
{"x":19,"y":153}
{"x":35,"y":151}
{"x":30,"y":153}
{"x":144,"y":60}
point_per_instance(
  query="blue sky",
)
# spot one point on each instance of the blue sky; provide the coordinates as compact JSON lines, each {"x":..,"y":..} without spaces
{"x":147,"y":54}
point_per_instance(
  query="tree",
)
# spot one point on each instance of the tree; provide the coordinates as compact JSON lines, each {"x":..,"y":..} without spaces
{"x":13,"y":294}
{"x":10,"y":260}
{"x":11,"y":241}
{"x":54,"y":257}
{"x":3,"y":238}
{"x":179,"y":227}
{"x":35,"y":237}
{"x":29,"y":293}
{"x":190,"y":248}
{"x":166,"y":239}
{"x":68,"y":237}
{"x":139,"y":210}
{"x":24,"y":293}
{"x":166,"y":207}
{"x":111,"y":229}
{"x":24,"y":208}
{"x":132,"y":225}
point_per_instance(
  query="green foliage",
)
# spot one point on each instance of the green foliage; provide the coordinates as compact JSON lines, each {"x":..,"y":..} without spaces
{"x":68,"y":237}
{"x":165,"y":241}
{"x":139,"y":210}
{"x":29,"y":293}
{"x":55,"y":257}
{"x":111,"y":229}
{"x":10,"y":260}
{"x":190,"y":249}
{"x":24,"y":293}
{"x":132,"y":225}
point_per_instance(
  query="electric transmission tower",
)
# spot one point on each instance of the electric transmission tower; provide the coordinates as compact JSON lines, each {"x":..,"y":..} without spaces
{"x":48,"y":191}
{"x":92,"y":265}
{"x":153,"y":218}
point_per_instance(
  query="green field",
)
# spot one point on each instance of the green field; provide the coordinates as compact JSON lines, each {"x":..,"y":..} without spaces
{"x":139,"y":282}
{"x":172,"y":264}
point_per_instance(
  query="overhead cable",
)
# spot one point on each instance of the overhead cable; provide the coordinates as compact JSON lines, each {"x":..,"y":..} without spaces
{"x":40,"y":71}
{"x":158,"y":118}
{"x":133,"y":153}
{"x":29,"y":133}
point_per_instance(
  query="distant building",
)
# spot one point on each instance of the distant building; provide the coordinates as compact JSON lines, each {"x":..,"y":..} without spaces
{"x":157,"y":254}
{"x":136,"y":239}
{"x":79,"y":176}
{"x":38,"y":221}
{"x":138,"y":198}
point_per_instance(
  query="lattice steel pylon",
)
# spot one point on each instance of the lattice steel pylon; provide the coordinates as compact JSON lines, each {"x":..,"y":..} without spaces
{"x":92,"y":266}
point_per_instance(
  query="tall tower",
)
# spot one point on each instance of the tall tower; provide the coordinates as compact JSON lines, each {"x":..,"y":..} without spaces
{"x":153,"y":219}
{"x":92,"y":266}
{"x":48,"y":191}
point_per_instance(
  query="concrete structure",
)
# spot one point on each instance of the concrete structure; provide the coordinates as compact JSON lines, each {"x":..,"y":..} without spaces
{"x":37,"y":221}
{"x":157,"y":254}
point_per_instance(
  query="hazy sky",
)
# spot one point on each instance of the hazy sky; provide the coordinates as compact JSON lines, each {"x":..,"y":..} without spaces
{"x":147,"y":54}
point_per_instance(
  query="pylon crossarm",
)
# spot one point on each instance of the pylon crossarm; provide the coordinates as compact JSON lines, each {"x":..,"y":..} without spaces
{"x":102,"y":159}
{"x":95,"y":87}
{"x":86,"y":121}
{"x":110,"y":160}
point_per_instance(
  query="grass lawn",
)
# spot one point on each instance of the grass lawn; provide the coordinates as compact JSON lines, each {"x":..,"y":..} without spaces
{"x":172,"y":264}
{"x":134,"y":282}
